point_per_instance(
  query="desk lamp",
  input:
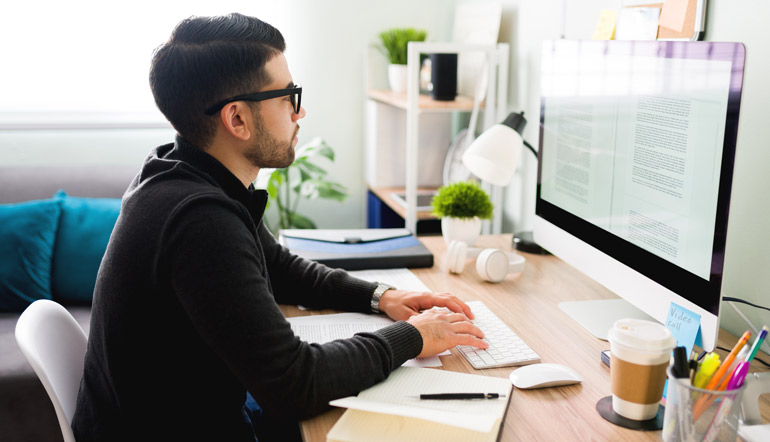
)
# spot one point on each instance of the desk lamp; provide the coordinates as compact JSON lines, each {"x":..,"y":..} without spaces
{"x":493,"y":157}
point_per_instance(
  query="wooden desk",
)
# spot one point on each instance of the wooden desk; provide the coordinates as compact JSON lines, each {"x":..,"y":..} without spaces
{"x":528,"y":303}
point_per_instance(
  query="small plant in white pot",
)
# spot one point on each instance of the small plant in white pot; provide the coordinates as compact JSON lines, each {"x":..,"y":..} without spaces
{"x":461,"y":207}
{"x":394,"y":46}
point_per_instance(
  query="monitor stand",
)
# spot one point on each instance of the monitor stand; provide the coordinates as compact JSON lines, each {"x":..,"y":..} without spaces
{"x":598,"y":316}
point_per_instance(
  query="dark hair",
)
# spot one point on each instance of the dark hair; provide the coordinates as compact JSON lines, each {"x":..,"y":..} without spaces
{"x":206,"y":60}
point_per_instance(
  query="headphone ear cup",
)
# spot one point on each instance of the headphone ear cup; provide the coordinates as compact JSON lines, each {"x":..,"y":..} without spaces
{"x":516,"y":264}
{"x":492,"y":265}
{"x":456,"y":256}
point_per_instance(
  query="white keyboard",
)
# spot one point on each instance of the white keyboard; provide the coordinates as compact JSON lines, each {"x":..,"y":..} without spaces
{"x":505,"y":347}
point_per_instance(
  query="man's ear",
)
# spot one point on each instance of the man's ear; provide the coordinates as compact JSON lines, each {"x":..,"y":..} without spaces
{"x":236,"y":118}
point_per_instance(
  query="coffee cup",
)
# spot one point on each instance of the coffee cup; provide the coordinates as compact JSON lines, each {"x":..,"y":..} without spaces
{"x":641,"y":351}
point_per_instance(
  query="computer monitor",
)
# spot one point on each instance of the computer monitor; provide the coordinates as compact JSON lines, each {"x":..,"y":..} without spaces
{"x":637,"y":145}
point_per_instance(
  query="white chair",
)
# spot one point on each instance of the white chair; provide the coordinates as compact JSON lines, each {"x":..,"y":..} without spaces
{"x":55,"y":345}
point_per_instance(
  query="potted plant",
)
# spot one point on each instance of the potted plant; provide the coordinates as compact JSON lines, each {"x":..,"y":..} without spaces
{"x":303,"y":179}
{"x":394,"y":46}
{"x":461,"y":207}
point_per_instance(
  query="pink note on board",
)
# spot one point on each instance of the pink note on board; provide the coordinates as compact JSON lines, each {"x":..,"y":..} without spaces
{"x":673,"y":13}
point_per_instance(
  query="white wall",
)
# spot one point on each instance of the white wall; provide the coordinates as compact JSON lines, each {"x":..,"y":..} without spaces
{"x":747,"y":263}
{"x":32,"y":148}
{"x":325,"y":49}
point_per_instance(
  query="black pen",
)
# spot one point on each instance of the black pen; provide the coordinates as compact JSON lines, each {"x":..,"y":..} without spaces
{"x":443,"y":396}
{"x":681,"y":368}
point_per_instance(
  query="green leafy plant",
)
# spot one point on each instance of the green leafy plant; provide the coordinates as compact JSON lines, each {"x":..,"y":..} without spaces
{"x":303,"y":179}
{"x":394,"y":42}
{"x":464,"y":199}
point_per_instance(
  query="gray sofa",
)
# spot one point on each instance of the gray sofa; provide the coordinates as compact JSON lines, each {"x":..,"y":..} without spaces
{"x":26,"y":413}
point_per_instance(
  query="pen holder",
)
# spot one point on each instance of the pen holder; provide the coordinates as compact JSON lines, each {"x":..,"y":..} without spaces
{"x":695,"y":414}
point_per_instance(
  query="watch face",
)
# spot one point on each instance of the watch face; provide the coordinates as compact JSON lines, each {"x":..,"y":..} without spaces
{"x":454,"y":169}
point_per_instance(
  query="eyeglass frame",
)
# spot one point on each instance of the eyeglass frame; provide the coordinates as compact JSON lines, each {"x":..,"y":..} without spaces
{"x":261,"y":96}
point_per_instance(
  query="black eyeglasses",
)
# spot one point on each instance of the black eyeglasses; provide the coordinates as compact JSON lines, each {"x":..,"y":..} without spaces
{"x":294,"y":93}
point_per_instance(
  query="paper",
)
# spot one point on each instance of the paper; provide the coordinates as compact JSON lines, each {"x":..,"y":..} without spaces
{"x":475,"y":22}
{"x":403,"y":279}
{"x":356,"y":426}
{"x":320,"y":329}
{"x":673,"y":14}
{"x":624,"y":3}
{"x":684,"y":325}
{"x":754,"y":433}
{"x":637,"y":24}
{"x":605,"y":28}
{"x":397,"y":395}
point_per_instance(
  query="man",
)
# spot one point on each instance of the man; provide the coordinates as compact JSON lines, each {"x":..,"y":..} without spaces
{"x":185,"y":318}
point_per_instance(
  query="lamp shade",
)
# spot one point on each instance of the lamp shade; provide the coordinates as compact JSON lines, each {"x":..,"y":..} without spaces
{"x":494,"y":154}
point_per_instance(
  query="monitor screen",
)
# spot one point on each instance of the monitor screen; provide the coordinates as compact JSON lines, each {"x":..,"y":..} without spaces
{"x":637,"y":145}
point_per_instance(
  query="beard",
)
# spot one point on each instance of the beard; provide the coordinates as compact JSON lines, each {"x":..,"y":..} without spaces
{"x":268,"y":151}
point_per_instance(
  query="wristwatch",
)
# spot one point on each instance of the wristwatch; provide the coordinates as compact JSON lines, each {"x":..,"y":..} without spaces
{"x":381,"y":288}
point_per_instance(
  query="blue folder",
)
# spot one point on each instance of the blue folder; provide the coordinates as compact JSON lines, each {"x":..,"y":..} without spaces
{"x":358,"y":249}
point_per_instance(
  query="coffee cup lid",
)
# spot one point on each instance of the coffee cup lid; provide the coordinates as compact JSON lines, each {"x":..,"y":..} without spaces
{"x":642,"y":335}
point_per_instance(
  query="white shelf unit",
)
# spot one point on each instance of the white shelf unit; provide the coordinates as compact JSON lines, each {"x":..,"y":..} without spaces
{"x":411,"y":107}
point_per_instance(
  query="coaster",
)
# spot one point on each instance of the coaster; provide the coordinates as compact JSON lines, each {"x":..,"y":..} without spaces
{"x":604,"y":407}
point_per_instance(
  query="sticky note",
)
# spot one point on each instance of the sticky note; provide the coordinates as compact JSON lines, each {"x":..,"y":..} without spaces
{"x":673,"y":14}
{"x":684,"y":325}
{"x":605,"y":28}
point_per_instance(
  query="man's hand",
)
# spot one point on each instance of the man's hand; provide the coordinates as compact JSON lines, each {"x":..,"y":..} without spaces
{"x":441,"y":331}
{"x":400,"y":305}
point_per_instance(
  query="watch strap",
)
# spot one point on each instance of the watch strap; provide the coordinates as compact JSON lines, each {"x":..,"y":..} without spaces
{"x":381,"y":288}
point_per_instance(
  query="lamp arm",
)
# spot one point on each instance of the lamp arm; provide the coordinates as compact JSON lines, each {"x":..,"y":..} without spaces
{"x":530,"y":147}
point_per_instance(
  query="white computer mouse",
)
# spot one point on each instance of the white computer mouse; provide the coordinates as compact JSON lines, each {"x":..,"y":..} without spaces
{"x":544,"y":375}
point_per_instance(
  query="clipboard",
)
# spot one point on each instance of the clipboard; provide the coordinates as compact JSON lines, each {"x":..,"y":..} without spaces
{"x":694,"y":28}
{"x":358,"y":249}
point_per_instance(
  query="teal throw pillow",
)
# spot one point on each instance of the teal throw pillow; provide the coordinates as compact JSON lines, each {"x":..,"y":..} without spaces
{"x":84,"y":231}
{"x":27,"y":234}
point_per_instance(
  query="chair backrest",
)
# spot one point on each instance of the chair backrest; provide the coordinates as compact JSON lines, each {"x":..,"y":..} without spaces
{"x":55,"y":345}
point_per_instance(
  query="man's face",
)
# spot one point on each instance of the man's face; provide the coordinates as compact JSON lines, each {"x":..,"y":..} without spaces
{"x":275,"y":125}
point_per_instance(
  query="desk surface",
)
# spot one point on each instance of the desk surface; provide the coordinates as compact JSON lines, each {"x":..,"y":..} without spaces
{"x":528,"y":303}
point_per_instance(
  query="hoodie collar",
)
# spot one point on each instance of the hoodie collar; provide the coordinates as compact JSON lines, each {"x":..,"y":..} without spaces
{"x":255,"y":200}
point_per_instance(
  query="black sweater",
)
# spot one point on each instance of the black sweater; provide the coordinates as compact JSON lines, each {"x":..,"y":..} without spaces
{"x":185,"y":317}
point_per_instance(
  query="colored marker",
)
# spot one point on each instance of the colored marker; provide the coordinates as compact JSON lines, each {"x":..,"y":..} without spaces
{"x":741,"y":371}
{"x":757,"y":343}
{"x":706,"y":371}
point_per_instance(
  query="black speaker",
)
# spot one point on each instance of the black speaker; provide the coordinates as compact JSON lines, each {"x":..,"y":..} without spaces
{"x":443,"y":76}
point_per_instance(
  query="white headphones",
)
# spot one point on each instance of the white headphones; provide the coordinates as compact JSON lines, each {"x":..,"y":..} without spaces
{"x":492,"y":264}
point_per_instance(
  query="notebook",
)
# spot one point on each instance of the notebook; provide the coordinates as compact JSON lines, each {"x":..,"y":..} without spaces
{"x":391,"y":410}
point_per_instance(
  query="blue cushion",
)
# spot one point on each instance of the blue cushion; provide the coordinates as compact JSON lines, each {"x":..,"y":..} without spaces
{"x":84,"y":231}
{"x":27,"y":235}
